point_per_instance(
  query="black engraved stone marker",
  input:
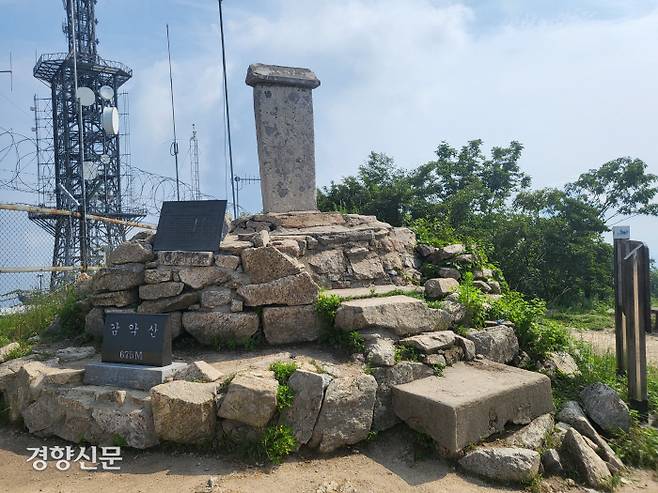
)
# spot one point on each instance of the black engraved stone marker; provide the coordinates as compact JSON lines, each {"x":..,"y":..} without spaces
{"x":137,"y":338}
{"x":190,"y":225}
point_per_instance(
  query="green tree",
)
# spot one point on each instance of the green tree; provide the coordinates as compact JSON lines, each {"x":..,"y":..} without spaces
{"x":380,"y":188}
{"x":621,"y":187}
{"x":548,"y":242}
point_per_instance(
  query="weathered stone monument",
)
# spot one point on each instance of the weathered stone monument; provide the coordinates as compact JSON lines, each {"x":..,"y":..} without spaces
{"x":284,"y":129}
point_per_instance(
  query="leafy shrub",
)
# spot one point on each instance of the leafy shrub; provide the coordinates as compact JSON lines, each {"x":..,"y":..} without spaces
{"x":283,"y":370}
{"x":537,"y":336}
{"x":407,"y":353}
{"x":71,"y":315}
{"x":348,"y":342}
{"x":326,"y":305}
{"x":285,"y":396}
{"x":277,"y":442}
{"x":638,"y":447}
{"x":473,"y":300}
{"x":433,"y":232}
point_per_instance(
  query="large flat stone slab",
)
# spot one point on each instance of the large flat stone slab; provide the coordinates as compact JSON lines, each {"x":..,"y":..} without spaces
{"x":140,"y":377}
{"x":471,"y":401}
{"x":377,"y":290}
{"x":403,"y":315}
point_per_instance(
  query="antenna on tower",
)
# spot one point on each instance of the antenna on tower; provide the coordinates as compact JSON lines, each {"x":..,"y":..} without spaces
{"x":10,"y":72}
{"x":174,"y":145}
{"x":227,"y":114}
{"x":194,"y":165}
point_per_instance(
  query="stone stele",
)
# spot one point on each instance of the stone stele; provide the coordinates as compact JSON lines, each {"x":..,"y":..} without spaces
{"x":284,"y":130}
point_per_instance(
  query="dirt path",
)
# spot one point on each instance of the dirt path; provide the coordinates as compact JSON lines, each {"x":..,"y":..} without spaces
{"x":385,"y":465}
{"x":604,"y":341}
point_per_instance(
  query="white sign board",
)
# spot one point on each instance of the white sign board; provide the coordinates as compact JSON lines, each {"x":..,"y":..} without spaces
{"x":621,"y":232}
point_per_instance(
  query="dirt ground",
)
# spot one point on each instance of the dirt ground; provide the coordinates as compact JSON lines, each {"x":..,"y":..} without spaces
{"x":604,"y":341}
{"x":385,"y":465}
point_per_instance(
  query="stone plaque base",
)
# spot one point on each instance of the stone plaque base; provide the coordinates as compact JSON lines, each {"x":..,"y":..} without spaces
{"x":130,"y":376}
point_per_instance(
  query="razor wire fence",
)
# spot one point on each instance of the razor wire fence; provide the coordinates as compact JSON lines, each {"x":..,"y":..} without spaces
{"x":26,"y":252}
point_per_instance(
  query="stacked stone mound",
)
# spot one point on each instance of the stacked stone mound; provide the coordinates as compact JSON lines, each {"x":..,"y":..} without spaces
{"x":273,"y":262}
{"x":340,"y":250}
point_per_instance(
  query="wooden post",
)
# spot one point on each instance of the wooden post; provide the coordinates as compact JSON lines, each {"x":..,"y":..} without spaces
{"x":621,"y":235}
{"x":637,"y":311}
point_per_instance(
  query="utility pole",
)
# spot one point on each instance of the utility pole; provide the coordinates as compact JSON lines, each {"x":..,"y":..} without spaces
{"x":174,"y":144}
{"x":227,"y":112}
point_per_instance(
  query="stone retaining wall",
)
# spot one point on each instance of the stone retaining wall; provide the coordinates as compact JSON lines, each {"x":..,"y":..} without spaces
{"x":266,"y":276}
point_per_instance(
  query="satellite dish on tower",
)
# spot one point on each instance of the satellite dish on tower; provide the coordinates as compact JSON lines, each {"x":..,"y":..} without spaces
{"x":86,"y":96}
{"x":106,"y":92}
{"x":110,"y":121}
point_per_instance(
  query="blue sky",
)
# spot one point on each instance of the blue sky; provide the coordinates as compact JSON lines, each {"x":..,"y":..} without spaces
{"x":573,"y":80}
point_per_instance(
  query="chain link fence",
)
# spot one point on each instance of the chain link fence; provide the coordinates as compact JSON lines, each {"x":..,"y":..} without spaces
{"x":26,"y":252}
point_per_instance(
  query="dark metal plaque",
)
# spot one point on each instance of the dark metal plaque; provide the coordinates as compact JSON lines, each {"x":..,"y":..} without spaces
{"x":137,"y":338}
{"x":190,"y":225}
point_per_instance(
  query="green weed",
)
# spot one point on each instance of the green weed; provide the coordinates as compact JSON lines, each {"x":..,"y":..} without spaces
{"x":277,"y":442}
{"x":283,"y":370}
{"x":407,"y":353}
{"x":285,"y":396}
{"x":473,"y":299}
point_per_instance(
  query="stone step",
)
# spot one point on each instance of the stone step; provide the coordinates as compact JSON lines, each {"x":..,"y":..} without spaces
{"x":472,"y":401}
{"x":374,"y":291}
{"x":403,"y":315}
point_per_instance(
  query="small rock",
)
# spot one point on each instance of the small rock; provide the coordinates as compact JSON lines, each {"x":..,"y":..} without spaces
{"x":160,"y":290}
{"x":198,"y":371}
{"x":75,"y":353}
{"x":215,"y":297}
{"x":426,"y":250}
{"x":184,"y":412}
{"x":573,"y":415}
{"x":293,"y":290}
{"x":346,"y":414}
{"x":580,"y":458}
{"x":560,"y":362}
{"x":250,"y":399}
{"x":494,"y":287}
{"x":495,"y":343}
{"x":468,"y":347}
{"x":154,"y":276}
{"x":440,"y":288}
{"x":186,"y":259}
{"x":94,"y":323}
{"x":551,"y":462}
{"x":435,"y":360}
{"x":603,"y":405}
{"x":261,"y":239}
{"x":266,"y":264}
{"x":430,"y":342}
{"x":532,"y":435}
{"x":449,"y":272}
{"x":482,"y":286}
{"x":445,"y":253}
{"x":502,"y":464}
{"x":290,"y":324}
{"x":6,"y":350}
{"x":230,"y":262}
{"x":380,"y":352}
{"x":309,"y":390}
{"x":131,"y":252}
